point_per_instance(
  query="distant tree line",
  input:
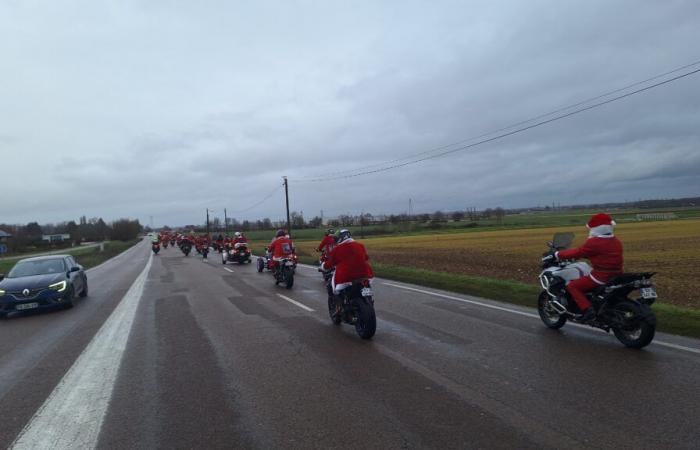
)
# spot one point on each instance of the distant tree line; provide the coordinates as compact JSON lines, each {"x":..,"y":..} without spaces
{"x":85,"y":230}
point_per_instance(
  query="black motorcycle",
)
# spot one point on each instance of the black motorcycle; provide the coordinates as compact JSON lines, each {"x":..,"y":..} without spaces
{"x":355,"y":306}
{"x":186,"y":248}
{"x":155,"y":247}
{"x":630,"y":319}
{"x":284,"y":272}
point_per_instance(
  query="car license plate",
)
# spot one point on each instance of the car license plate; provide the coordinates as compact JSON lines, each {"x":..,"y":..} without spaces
{"x":366,"y":292}
{"x":648,"y":293}
{"x":23,"y":306}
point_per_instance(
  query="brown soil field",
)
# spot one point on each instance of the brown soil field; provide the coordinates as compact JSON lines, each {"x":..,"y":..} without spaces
{"x":670,"y":248}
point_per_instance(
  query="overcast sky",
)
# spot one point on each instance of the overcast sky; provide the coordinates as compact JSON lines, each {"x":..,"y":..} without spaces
{"x":164,"y":108}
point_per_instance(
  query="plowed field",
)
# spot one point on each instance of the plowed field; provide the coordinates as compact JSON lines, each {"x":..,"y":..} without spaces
{"x":671,"y":248}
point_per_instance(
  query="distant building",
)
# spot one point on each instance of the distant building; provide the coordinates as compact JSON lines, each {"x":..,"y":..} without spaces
{"x":4,"y":235}
{"x":656,"y":216}
{"x":55,"y":237}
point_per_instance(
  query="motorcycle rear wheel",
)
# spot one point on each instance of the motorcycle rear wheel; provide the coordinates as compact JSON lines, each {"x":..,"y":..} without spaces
{"x":336,"y":317}
{"x":550,"y":318}
{"x":642,"y":325}
{"x":366,"y":324}
{"x":261,"y":265}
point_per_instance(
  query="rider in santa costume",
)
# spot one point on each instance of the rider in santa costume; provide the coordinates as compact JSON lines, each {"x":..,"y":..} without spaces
{"x":604,"y":251}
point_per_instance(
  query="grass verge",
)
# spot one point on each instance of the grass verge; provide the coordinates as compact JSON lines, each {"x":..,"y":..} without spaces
{"x":670,"y":319}
{"x":87,"y":257}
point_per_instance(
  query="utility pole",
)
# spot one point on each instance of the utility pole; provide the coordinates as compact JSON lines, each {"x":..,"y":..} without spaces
{"x":286,"y":197}
{"x":225,"y":222}
{"x":207,"y":222}
{"x":362,"y":224}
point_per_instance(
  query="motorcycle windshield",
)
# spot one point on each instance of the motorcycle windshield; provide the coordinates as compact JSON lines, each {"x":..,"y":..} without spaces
{"x":561,"y":241}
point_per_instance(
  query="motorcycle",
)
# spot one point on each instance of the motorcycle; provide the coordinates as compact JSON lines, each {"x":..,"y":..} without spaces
{"x":165,"y":243}
{"x":240,"y":254}
{"x":284,"y":271}
{"x":155,"y":247}
{"x":354,"y":306}
{"x":186,"y":247}
{"x":631,"y":319}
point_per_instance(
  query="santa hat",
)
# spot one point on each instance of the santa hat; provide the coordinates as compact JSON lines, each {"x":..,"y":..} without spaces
{"x":601,"y":225}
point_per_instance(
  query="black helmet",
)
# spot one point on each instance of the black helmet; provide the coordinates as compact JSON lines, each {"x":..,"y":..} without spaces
{"x":343,"y":235}
{"x":281,"y":233}
{"x":330,"y":231}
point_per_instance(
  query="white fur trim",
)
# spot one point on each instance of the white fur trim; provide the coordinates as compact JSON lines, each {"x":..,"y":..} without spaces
{"x":596,"y":280}
{"x":601,"y":231}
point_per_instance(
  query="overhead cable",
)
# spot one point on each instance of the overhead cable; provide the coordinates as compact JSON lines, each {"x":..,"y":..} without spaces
{"x":384,"y":167}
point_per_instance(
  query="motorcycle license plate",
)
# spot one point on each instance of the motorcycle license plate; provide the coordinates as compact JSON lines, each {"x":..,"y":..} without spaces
{"x":366,"y":292}
{"x":648,"y":293}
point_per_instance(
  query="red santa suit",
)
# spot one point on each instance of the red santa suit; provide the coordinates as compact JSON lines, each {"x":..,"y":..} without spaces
{"x":280,"y":247}
{"x":603,"y":250}
{"x":350,"y":261}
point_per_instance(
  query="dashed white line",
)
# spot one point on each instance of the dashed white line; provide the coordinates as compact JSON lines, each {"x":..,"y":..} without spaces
{"x":228,"y":270}
{"x":522,"y":313}
{"x":71,"y":417}
{"x":294,"y":302}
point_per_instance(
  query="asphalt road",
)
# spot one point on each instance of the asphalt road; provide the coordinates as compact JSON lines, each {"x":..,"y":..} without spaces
{"x":173,"y":352}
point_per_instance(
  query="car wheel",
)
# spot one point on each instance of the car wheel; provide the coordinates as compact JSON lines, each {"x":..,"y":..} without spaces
{"x":68,"y":301}
{"x":84,"y":292}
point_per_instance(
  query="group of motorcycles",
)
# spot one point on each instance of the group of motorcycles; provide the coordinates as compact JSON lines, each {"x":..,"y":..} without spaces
{"x":628,"y":316}
{"x":353,"y":305}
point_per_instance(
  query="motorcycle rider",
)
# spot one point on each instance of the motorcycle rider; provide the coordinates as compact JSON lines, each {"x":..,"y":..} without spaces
{"x":350,"y":261}
{"x":280,"y":247}
{"x":604,"y":251}
{"x":327,"y":242}
{"x":239,"y":238}
{"x":326,"y":245}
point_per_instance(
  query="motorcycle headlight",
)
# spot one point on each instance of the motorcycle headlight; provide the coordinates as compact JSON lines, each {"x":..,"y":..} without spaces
{"x":58,"y":287}
{"x":2,"y":292}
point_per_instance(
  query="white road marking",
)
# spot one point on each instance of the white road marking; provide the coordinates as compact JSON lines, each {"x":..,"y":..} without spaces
{"x":677,"y":347}
{"x":228,"y":270}
{"x":522,"y":313}
{"x":71,"y":417}
{"x":464,"y":300}
{"x":294,"y":302}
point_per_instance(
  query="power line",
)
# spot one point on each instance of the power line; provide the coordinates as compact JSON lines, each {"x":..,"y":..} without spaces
{"x":336,"y":175}
{"x":500,"y":136}
{"x":266,"y":198}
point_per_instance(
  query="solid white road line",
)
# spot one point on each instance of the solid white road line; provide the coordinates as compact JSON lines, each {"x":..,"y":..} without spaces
{"x":464,"y":300}
{"x":294,"y":302}
{"x":71,"y":417}
{"x":522,"y":313}
{"x":228,"y":270}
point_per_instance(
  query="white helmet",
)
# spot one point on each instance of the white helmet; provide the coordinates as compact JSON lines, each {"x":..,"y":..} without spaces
{"x":237,"y":234}
{"x":344,"y":235}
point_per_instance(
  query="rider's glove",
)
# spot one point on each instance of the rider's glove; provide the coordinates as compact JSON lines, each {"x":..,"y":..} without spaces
{"x":549,"y":257}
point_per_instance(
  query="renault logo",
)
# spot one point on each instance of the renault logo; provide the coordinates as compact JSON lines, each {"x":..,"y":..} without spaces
{"x":25,"y":292}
